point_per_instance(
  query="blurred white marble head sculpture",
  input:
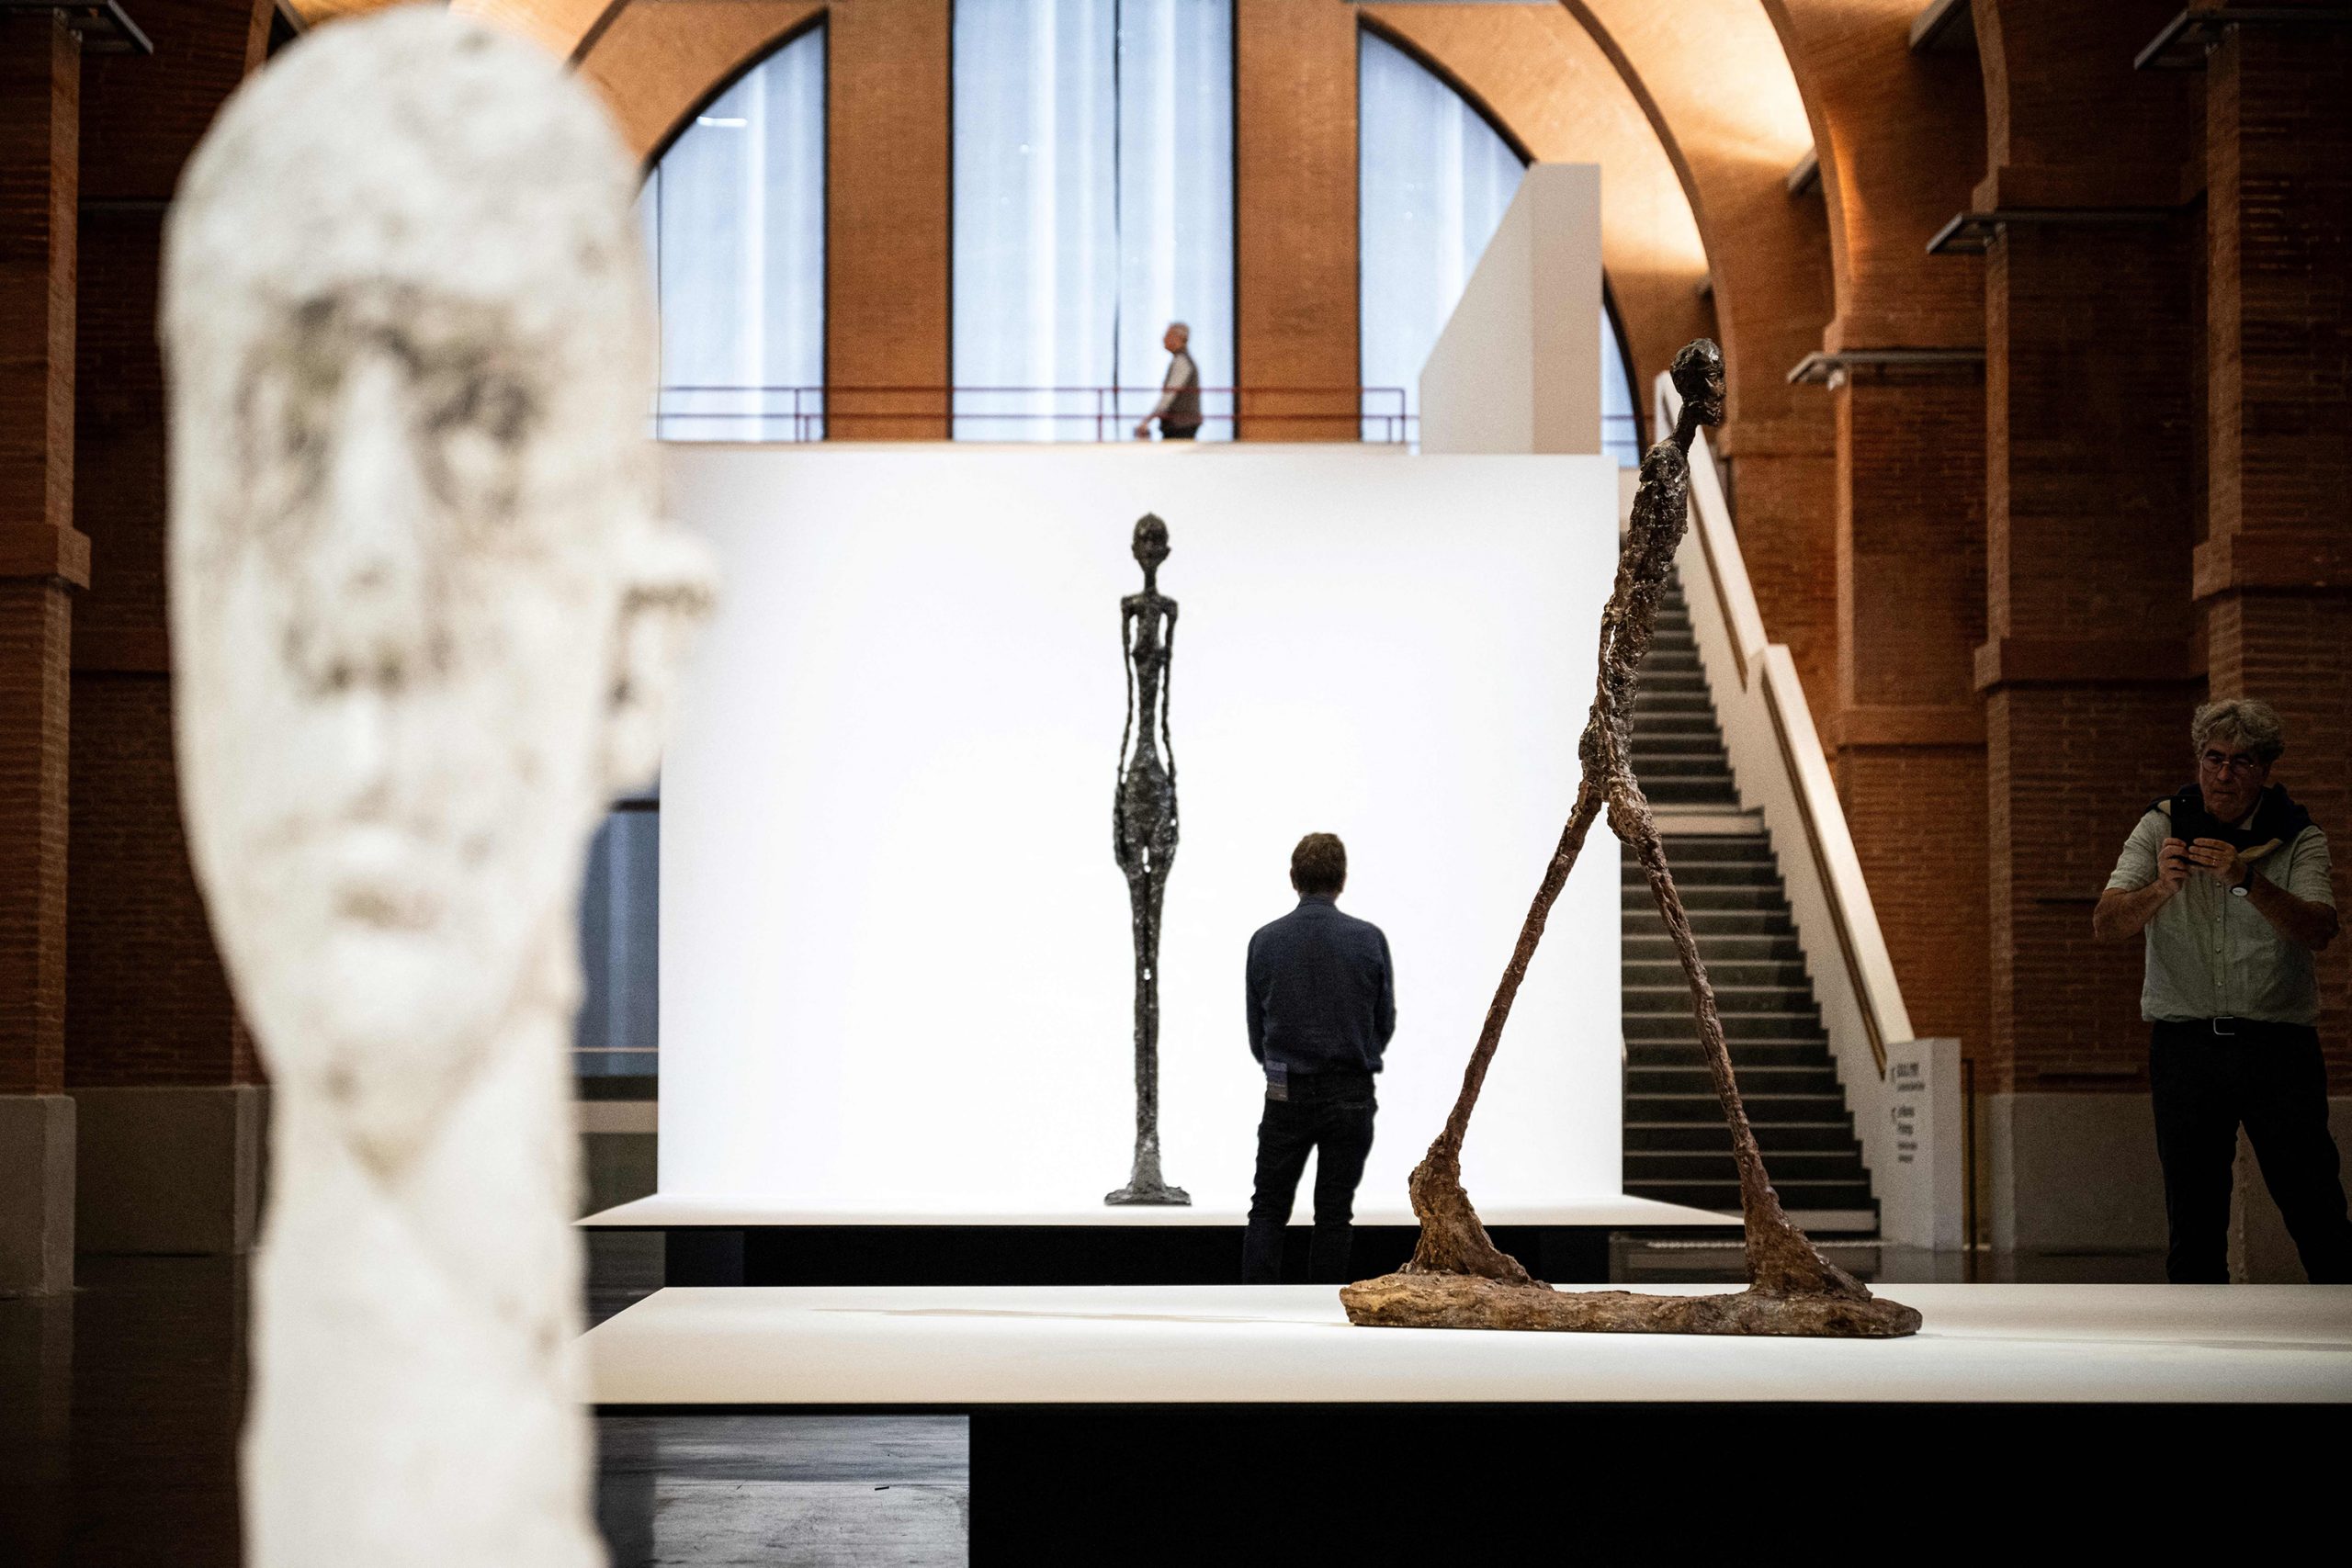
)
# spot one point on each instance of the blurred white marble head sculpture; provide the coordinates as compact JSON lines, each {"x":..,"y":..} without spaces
{"x":424,"y":622}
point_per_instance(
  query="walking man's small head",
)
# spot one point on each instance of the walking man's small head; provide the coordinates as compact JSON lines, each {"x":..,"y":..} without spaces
{"x":2236,"y":741}
{"x":1318,"y":867}
{"x":1177,"y":335}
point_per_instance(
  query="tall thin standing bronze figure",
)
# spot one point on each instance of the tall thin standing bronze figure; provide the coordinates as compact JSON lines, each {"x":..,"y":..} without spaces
{"x":1143,"y":837}
{"x":1458,"y":1278}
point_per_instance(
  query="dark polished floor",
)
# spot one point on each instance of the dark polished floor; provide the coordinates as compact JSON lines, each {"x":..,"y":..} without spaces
{"x":119,"y":1406}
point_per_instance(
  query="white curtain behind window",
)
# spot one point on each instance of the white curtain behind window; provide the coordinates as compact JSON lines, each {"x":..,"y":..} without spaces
{"x":1433,"y":180}
{"x":1093,"y":206}
{"x":735,"y":213}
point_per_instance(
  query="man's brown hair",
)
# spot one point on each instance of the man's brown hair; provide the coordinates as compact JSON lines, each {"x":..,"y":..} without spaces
{"x":1320,"y":864}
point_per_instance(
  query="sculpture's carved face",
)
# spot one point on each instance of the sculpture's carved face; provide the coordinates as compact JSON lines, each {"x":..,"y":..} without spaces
{"x":1150,"y":543}
{"x":422,"y":613}
{"x":409,"y":608}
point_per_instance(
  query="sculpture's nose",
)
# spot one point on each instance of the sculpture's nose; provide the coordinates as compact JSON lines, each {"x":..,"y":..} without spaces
{"x":369,"y":620}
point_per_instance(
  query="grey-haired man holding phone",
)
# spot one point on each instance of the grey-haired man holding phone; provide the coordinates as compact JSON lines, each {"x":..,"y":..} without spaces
{"x":2229,"y":881}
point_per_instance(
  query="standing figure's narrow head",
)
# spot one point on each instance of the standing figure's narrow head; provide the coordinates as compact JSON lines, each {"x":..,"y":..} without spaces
{"x":1151,"y":542}
{"x":422,"y":606}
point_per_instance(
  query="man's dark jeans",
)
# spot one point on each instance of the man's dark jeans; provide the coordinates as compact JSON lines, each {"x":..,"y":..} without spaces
{"x":2269,"y":1076}
{"x":1330,"y":1112}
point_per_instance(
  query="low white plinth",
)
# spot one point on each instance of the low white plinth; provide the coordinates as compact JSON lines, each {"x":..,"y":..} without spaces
{"x":663,"y":1212}
{"x":1180,"y":1344}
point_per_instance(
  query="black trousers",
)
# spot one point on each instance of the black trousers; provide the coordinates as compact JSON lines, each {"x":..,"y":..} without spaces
{"x":1331,"y":1115}
{"x":2270,"y":1078}
{"x":1178,"y":432}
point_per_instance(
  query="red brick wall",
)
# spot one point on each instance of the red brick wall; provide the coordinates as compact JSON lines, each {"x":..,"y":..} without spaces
{"x":1910,"y":762}
{"x":2274,"y":578}
{"x":2090,"y":458}
{"x":1295,"y":217}
{"x":2089,"y":665}
{"x":35,"y":625}
{"x":39,"y":85}
{"x":146,"y":999}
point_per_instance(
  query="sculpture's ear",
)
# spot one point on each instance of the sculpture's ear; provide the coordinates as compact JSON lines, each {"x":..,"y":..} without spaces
{"x":666,"y":592}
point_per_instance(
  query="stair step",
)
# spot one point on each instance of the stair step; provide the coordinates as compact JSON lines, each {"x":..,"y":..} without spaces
{"x":1710,"y":898}
{"x":1820,"y":1079}
{"x":1686,"y":721}
{"x":1708,"y":849}
{"x":1676,"y":1055}
{"x":1721,"y":1197}
{"x":1716,"y":1138}
{"x":1713,"y":770}
{"x":1786,"y":1165}
{"x":1646,"y":921}
{"x":1762,"y":1107}
{"x":1665,"y":974}
{"x":1761,"y":947}
{"x":1731,"y":1001}
{"x":1667,"y":1026}
{"x":1690,"y":874}
{"x":1684,"y":792}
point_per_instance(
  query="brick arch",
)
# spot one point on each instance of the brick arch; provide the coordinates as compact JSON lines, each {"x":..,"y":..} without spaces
{"x":657,"y":65}
{"x":1549,"y":92}
{"x":1711,"y":78}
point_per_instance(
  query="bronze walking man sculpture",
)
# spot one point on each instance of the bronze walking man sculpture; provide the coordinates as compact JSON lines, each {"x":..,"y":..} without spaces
{"x":1457,"y":1277}
{"x":1143,"y":837}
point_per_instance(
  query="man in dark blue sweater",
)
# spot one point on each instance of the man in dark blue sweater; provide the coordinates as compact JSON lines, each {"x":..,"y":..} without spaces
{"x":1322,"y":1006}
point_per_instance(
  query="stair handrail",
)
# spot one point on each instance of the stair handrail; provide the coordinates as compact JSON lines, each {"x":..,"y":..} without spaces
{"x":1778,"y":767}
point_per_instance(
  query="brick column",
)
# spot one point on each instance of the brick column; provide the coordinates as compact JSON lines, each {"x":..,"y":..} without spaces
{"x":1909,"y":734}
{"x":1295,"y":218}
{"x":887,"y":240}
{"x":2087,"y":669}
{"x":42,"y":558}
{"x":1900,"y":140}
{"x":2274,"y":576}
{"x":170,"y":1108}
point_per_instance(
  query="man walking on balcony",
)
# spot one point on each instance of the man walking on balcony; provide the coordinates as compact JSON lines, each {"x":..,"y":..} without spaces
{"x":1179,"y":409}
{"x":2229,"y":879}
{"x":1322,"y":1003}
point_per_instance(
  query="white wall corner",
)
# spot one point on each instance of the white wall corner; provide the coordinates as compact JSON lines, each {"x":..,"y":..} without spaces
{"x":1516,"y":368}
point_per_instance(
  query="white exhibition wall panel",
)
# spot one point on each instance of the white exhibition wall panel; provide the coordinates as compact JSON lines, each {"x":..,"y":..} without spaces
{"x":1518,"y":366}
{"x":895,"y":969}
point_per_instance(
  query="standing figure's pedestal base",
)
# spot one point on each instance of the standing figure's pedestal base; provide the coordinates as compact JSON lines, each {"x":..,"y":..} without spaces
{"x":1149,"y":1192}
{"x":1466,"y":1300}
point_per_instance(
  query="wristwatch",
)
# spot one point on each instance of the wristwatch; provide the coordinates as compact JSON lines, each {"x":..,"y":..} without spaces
{"x":2243,"y":883}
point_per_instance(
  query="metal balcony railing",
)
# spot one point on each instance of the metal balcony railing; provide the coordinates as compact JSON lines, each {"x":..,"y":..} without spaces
{"x":713,"y":412}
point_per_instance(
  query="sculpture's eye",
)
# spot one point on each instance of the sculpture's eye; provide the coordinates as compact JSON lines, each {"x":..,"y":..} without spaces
{"x":476,"y":422}
{"x":283,"y":414}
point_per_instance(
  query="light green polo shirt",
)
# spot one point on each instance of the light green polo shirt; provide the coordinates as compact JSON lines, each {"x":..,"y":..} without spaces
{"x":2211,"y":954}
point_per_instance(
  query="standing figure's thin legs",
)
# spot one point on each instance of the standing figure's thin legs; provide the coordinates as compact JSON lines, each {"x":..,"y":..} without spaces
{"x":1146,"y":887}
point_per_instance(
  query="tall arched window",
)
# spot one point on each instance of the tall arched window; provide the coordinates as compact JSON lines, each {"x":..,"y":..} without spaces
{"x":735,"y":224}
{"x":1093,"y":186}
{"x":1433,"y":180}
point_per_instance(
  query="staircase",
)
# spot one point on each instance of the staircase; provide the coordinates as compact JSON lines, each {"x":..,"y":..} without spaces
{"x":1677,"y":1148}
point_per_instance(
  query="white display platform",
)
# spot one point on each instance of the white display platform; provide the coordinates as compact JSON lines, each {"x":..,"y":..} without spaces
{"x":1277,"y":1345}
{"x":664,"y":1212}
{"x":897,"y":973}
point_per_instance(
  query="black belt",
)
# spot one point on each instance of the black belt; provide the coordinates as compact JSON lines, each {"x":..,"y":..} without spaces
{"x":2226,"y":1027}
